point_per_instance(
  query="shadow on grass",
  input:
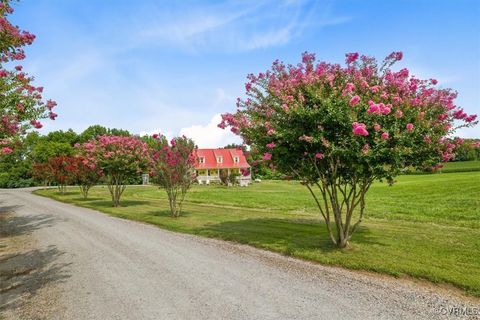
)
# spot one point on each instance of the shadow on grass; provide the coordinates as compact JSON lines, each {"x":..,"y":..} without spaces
{"x":65,"y":194}
{"x":282,"y":235}
{"x":167,"y":213}
{"x":108,"y":203}
{"x":82,"y":199}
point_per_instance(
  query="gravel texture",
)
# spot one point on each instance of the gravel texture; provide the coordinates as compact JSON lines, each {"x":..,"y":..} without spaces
{"x":94,"y":266}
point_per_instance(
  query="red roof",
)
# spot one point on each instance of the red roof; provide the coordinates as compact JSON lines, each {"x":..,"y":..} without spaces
{"x":227,"y":159}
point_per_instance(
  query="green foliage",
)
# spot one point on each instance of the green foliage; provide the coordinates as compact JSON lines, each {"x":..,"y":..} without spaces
{"x":95,"y":131}
{"x":16,"y":167}
{"x":46,"y":149}
{"x":467,"y":151}
{"x":232,"y":178}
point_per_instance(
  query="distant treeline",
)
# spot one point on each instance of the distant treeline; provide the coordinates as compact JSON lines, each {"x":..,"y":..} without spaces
{"x":16,"y":167}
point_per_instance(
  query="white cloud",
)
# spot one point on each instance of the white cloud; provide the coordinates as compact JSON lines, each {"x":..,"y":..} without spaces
{"x":210,"y":136}
{"x":235,"y":26}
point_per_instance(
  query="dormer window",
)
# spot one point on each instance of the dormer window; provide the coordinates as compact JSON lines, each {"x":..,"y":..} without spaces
{"x":236,"y":159}
{"x":219,"y":159}
{"x":201,"y":160}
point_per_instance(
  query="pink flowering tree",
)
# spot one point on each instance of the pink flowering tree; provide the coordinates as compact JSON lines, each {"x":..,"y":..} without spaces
{"x":21,"y":103}
{"x":119,"y":158}
{"x":85,"y":173}
{"x":60,"y":171}
{"x":339,"y":128}
{"x":173,"y":168}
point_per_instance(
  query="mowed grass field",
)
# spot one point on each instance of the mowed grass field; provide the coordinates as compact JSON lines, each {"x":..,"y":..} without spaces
{"x":424,"y":226}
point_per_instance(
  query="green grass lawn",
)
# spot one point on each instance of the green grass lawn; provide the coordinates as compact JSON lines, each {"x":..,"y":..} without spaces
{"x":425,"y":226}
{"x":461,"y":166}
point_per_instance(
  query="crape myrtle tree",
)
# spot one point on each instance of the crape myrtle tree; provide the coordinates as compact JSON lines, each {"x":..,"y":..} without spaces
{"x":119,"y":158}
{"x":60,"y":171}
{"x":338,"y":128}
{"x":85,"y":173}
{"x":173,"y":168}
{"x":21,"y":103}
{"x":42,"y":173}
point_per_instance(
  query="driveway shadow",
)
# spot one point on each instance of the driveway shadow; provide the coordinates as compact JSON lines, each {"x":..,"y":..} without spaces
{"x":23,"y":275}
{"x":24,"y":269}
{"x":13,"y":225}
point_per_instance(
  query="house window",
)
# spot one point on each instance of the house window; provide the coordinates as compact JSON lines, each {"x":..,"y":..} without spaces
{"x":201,"y":160}
{"x":236,"y":159}
{"x":219,"y":160}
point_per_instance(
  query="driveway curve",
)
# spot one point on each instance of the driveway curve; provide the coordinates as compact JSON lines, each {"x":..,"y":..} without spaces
{"x":104,"y":267}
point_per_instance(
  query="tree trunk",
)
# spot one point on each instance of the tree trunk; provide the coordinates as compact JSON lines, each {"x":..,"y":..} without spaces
{"x":116,"y":188}
{"x":341,"y":200}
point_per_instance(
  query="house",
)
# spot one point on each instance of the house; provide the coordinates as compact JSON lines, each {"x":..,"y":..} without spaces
{"x":211,"y":162}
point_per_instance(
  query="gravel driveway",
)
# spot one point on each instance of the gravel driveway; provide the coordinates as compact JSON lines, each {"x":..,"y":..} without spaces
{"x":93,"y":266}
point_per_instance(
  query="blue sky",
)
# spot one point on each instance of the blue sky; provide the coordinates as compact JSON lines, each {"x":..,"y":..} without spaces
{"x":173,"y":66}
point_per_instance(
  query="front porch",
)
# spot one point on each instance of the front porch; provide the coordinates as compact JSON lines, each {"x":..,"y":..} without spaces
{"x":206,"y":176}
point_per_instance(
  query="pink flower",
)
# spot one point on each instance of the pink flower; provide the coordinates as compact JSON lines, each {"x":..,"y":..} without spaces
{"x":18,"y":68}
{"x":386,"y":109}
{"x":319,"y":155}
{"x":385,"y":136}
{"x":271,"y":132}
{"x":471,"y":118}
{"x":409,"y":127}
{"x":271,"y":145}
{"x":354,"y":100}
{"x":377,"y":127}
{"x":349,"y":87}
{"x":52,"y":115}
{"x":351,"y":57}
{"x":36,"y":124}
{"x":374,"y":108}
{"x":51,"y":104}
{"x":155,"y":136}
{"x":267,"y":156}
{"x":359,"y":129}
{"x":398,"y":114}
{"x":6,"y":150}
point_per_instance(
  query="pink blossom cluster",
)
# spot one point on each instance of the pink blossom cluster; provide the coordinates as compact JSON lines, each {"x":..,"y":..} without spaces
{"x":116,"y":155}
{"x":172,"y":163}
{"x":359,"y":129}
{"x":379,"y":108}
{"x":27,"y":107}
{"x":384,"y":106}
